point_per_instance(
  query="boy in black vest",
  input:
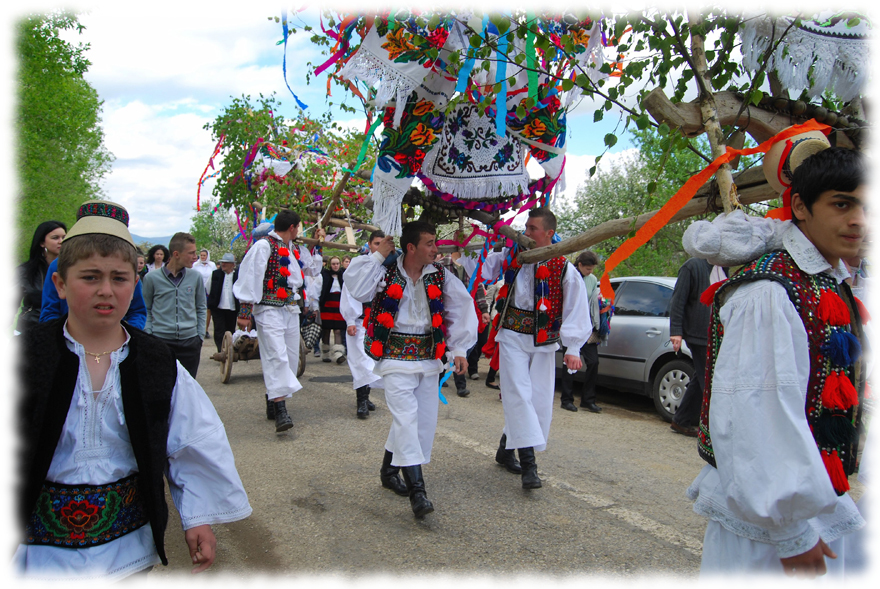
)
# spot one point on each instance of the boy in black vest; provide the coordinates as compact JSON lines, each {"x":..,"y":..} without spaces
{"x":105,"y":411}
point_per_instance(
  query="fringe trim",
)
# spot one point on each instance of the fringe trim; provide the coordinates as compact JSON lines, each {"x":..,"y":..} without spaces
{"x":483,"y":188}
{"x":387,"y":200}
{"x":369,"y":68}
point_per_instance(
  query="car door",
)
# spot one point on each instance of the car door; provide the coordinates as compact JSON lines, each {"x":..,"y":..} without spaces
{"x":640,"y":324}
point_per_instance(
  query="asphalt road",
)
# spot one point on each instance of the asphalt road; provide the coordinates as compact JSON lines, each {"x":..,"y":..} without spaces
{"x":613,"y":502}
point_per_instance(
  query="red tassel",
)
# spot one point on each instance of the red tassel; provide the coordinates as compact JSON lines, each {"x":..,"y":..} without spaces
{"x":708,"y":296}
{"x":835,"y":471}
{"x":437,"y":320}
{"x":542,"y":273}
{"x":831,"y":397}
{"x":848,"y":392}
{"x":542,"y":336}
{"x":863,"y":311}
{"x":376,"y":348}
{"x":385,"y":320}
{"x":441,"y":349}
{"x":502,"y":292}
{"x":832,"y":310}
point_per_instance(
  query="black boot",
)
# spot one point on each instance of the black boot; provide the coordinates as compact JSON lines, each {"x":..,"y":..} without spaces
{"x":460,"y":385}
{"x":389,"y":476}
{"x":507,"y":458}
{"x":283,"y":422}
{"x":363,"y":411}
{"x":370,"y":405}
{"x":490,"y":378}
{"x":421,"y":506}
{"x":530,"y":478}
{"x":270,"y":408}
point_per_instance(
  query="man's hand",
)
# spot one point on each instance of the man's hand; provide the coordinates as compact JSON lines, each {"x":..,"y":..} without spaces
{"x":244,"y":324}
{"x":386,"y":246}
{"x":202,"y":547}
{"x":485,"y":318}
{"x":809,"y":564}
{"x":320,"y":234}
{"x":676,"y":342}
{"x":572,"y":362}
{"x":460,"y":363}
{"x":351,"y":330}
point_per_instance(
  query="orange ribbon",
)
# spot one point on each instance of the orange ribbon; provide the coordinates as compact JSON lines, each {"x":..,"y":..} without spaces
{"x":685,"y":193}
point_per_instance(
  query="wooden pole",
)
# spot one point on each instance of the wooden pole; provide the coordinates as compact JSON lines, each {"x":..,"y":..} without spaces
{"x":337,"y":192}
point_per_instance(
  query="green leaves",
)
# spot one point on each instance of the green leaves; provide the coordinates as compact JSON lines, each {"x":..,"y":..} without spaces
{"x":610,"y":140}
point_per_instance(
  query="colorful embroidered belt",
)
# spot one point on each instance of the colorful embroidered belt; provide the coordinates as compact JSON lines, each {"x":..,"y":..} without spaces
{"x":82,"y":516}
{"x":519,"y":320}
{"x":408,"y":346}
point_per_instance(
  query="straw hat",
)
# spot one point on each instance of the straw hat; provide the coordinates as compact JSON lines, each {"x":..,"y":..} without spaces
{"x":785,"y":156}
{"x":101,"y":216}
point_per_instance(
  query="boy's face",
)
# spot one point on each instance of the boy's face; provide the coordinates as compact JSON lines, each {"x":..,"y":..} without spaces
{"x":187,"y":256}
{"x":98,"y":290}
{"x":425,"y":252}
{"x":535,"y":230}
{"x":585,"y":270}
{"x":836,"y":225}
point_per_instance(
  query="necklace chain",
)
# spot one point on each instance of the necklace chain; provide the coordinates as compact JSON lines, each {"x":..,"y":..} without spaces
{"x":97,"y":356}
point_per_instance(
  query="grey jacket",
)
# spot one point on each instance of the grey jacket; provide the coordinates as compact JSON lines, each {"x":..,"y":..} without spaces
{"x":175,"y":312}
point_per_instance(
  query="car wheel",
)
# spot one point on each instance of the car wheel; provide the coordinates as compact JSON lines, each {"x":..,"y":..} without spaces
{"x":669,"y":386}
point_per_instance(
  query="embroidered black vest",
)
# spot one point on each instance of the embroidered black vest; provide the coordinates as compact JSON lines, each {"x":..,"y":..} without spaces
{"x":537,"y":321}
{"x":48,"y":373}
{"x":405,"y":346}
{"x":833,"y":430}
{"x":272,"y":274}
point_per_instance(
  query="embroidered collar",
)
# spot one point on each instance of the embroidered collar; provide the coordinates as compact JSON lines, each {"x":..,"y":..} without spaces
{"x":808,"y":258}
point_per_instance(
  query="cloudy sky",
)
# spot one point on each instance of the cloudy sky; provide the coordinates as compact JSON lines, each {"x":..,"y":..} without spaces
{"x":166,"y":69}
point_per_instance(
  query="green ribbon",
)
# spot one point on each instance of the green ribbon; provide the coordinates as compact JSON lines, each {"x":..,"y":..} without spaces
{"x":364,"y":147}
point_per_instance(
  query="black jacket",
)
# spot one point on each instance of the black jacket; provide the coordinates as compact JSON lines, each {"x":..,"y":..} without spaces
{"x":688,"y":317}
{"x":48,"y":372}
{"x":217,"y":289}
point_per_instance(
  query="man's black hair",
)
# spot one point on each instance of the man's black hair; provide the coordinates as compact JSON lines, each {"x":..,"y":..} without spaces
{"x":412,"y":233}
{"x":377,"y":233}
{"x":548,"y":219}
{"x":286,"y":219}
{"x":835,"y":168}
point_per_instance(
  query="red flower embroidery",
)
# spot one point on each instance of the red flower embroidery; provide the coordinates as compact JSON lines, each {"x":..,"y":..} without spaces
{"x":79,"y":516}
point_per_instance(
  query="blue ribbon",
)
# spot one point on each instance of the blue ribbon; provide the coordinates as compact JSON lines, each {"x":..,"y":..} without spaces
{"x":501,"y":77}
{"x":284,"y":65}
{"x":440,"y":387}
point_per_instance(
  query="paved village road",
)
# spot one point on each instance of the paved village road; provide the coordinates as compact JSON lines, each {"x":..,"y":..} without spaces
{"x":613,"y":501}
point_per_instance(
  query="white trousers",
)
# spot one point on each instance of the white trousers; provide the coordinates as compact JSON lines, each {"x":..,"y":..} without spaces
{"x":527,"y":383}
{"x":725,"y":553}
{"x":278,"y":332}
{"x":414,"y":402}
{"x":359,"y":363}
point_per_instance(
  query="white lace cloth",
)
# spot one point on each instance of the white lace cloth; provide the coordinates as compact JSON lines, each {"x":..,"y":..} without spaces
{"x":770,"y":485}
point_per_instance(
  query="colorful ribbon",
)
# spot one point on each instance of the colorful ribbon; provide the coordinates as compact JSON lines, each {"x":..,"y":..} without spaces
{"x":685,"y":193}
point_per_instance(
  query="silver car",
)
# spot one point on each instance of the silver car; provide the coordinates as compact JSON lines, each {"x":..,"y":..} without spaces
{"x":637,"y":355}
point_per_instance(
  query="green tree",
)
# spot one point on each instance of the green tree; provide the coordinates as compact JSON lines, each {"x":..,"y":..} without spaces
{"x":318,"y":148}
{"x":215,"y":229}
{"x":61,"y":156}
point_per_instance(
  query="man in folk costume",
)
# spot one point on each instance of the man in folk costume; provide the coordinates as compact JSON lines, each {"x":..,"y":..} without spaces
{"x":539,"y":305}
{"x":418,"y":312}
{"x":268,"y":287}
{"x":360,"y":364}
{"x":785,"y":378}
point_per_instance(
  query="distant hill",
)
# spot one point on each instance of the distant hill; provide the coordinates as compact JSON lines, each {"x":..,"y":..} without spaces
{"x":153,"y":240}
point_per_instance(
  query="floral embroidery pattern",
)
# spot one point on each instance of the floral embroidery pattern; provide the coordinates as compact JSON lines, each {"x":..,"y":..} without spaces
{"x":404,"y":148}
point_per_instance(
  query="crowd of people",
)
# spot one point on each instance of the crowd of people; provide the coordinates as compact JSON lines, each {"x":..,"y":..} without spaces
{"x":777,"y":338}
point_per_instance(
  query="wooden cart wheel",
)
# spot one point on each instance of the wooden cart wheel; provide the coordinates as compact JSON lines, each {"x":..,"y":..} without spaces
{"x":226,"y":365}
{"x":303,"y":354}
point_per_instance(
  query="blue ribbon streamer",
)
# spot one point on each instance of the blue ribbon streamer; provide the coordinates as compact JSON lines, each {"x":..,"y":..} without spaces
{"x":440,"y":387}
{"x":299,"y":102}
{"x":465,"y":71}
{"x":501,"y":96}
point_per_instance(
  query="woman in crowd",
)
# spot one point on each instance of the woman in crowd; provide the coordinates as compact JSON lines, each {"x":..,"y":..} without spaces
{"x":331,"y":318}
{"x":45,"y":247}
{"x":157,"y":257}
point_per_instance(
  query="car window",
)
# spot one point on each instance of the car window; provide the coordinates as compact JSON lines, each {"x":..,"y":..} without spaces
{"x":644,"y":299}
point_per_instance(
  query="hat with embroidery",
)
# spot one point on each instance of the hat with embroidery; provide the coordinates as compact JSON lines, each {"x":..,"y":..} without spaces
{"x":101,"y":216}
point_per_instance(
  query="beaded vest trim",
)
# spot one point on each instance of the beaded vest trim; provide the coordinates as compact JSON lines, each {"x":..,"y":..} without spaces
{"x":272,"y":276}
{"x":380,"y":317}
{"x":545,"y":324}
{"x":834,"y":429}
{"x":82,"y":516}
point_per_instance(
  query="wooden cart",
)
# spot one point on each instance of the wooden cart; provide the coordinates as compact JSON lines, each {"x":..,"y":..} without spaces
{"x":248,"y":349}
